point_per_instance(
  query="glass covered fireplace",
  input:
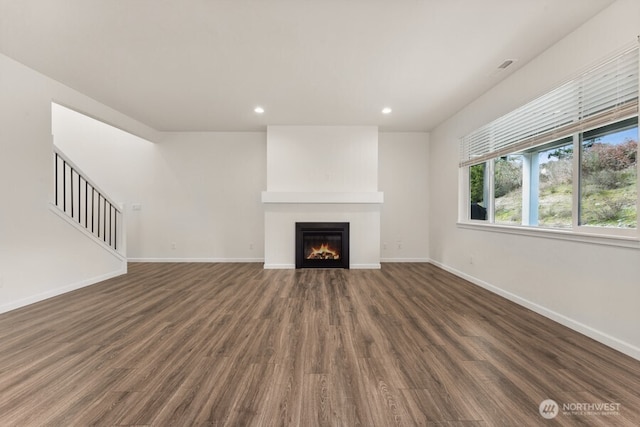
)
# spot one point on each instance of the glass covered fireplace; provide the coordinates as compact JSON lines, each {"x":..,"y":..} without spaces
{"x":322,"y":245}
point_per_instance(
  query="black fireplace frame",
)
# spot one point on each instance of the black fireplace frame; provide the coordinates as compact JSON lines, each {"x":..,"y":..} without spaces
{"x":329,"y":227}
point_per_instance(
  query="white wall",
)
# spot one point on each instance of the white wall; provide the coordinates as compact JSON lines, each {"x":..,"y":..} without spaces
{"x":201,"y":191}
{"x":404,"y":179}
{"x":41,"y":255}
{"x":113,"y":158}
{"x":188,"y":197}
{"x":206,"y":198}
{"x":121,"y":164}
{"x":322,"y":158}
{"x":591,"y":288}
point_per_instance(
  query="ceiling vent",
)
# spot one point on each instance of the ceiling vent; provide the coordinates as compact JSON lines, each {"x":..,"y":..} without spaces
{"x":505,"y":64}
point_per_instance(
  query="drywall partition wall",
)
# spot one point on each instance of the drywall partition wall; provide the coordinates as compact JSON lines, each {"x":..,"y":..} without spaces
{"x":403,"y":177}
{"x":589,"y":287}
{"x":322,"y":174}
{"x":41,"y":255}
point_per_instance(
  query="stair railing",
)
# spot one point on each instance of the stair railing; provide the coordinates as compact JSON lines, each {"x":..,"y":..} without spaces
{"x":85,"y":203}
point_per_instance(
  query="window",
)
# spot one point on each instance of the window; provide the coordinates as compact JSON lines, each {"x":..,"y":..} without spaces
{"x":535,"y":187}
{"x":555,"y":190}
{"x":567,"y":160}
{"x":478,"y":191}
{"x":507,"y":192}
{"x":609,"y":176}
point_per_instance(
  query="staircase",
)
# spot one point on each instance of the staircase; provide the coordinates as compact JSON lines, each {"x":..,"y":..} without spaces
{"x":85,"y":205}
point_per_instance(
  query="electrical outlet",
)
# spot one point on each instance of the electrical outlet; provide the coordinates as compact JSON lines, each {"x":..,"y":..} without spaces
{"x":173,"y":245}
{"x":250,"y":246}
{"x":384,"y":246}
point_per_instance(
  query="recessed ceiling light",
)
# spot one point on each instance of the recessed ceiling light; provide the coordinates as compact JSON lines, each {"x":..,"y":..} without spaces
{"x":386,"y":110}
{"x":259,"y":110}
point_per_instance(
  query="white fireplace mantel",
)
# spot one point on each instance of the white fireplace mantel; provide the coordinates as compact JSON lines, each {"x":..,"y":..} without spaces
{"x":373,"y":197}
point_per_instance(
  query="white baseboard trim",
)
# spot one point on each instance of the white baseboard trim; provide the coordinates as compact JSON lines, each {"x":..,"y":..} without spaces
{"x":212,"y":260}
{"x":606,"y":339}
{"x":59,"y":291}
{"x":365,"y":266}
{"x":404,"y":260}
{"x":279,"y":266}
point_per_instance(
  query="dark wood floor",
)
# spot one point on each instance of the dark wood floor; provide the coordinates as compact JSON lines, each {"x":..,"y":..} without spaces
{"x":233,"y":344}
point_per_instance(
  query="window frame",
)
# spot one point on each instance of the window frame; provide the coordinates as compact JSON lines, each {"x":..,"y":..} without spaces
{"x":627,"y":237}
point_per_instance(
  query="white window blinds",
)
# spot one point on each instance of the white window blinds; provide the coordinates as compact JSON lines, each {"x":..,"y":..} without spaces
{"x":604,"y":94}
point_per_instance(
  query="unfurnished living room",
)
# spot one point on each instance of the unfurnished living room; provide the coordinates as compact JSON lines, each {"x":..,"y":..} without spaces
{"x":341,"y":213}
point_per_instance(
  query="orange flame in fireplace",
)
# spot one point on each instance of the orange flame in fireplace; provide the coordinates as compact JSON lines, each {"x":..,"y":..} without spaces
{"x":323,"y":252}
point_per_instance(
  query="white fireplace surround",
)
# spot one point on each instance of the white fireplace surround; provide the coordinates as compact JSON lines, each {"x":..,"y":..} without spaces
{"x":364,"y":233}
{"x":322,"y":174}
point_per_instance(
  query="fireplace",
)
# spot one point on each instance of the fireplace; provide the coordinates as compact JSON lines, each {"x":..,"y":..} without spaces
{"x":322,"y":245}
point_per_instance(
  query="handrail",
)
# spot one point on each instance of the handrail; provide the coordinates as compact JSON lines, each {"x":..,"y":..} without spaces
{"x":84,"y":202}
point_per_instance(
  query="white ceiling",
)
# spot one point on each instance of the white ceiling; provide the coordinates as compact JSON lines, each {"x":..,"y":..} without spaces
{"x":203,"y":65}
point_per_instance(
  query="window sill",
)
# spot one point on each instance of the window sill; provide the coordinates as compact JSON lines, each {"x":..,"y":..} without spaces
{"x":546,"y":233}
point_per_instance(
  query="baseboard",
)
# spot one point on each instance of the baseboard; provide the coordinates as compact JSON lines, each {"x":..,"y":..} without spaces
{"x":59,"y":291}
{"x":404,"y":260}
{"x":365,"y":266}
{"x":279,"y":266}
{"x":212,"y":260}
{"x":606,"y":339}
